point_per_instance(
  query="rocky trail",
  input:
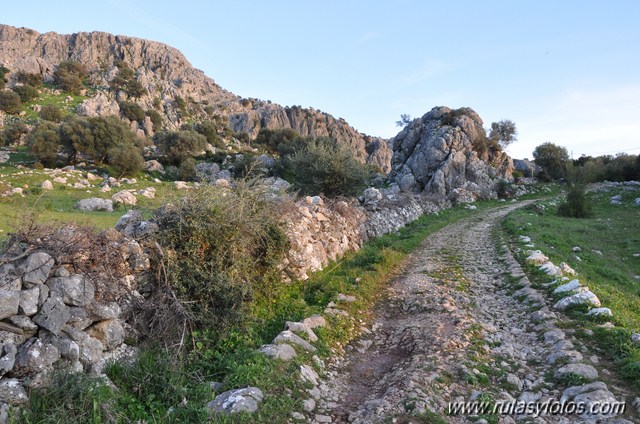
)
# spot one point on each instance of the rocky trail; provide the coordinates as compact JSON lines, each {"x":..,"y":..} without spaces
{"x":461,"y":324}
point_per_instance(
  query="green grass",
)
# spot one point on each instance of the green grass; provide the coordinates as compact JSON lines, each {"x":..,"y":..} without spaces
{"x":48,"y":96}
{"x":615,"y":231}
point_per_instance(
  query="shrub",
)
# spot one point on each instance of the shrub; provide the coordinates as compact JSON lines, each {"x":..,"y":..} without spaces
{"x":328,"y":167}
{"x":132,"y":111}
{"x":51,"y":113}
{"x":34,"y":80}
{"x":125,"y":160}
{"x":576,"y":205}
{"x":3,"y":77}
{"x":218,"y":250}
{"x":187,"y":170}
{"x":156,"y":119}
{"x":13,"y":132}
{"x":107,"y":132}
{"x":69,"y":76}
{"x":26,"y":92}
{"x":177,"y":146}
{"x":10,"y":102}
{"x":43,"y":142}
{"x":505,"y":189}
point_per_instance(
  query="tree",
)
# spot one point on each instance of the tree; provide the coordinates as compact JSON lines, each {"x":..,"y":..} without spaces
{"x":108,"y":132}
{"x":34,"y":80}
{"x":503,"y":132}
{"x":132,"y":111}
{"x":43,"y":142}
{"x":180,"y":145}
{"x":553,"y":159}
{"x":75,"y":136}
{"x":405,"y":120}
{"x":3,"y":77}
{"x":10,"y":102}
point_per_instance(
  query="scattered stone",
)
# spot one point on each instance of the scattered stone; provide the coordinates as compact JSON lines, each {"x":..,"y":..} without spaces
{"x":279,"y":351}
{"x":346,"y":298}
{"x":308,"y":374}
{"x":541,"y":315}
{"x":181,"y":185}
{"x":7,"y":358}
{"x":550,"y":269}
{"x":314,"y":321}
{"x":584,"y":298}
{"x":238,"y":400}
{"x":289,"y":337}
{"x":525,"y":239}
{"x":583,"y":370}
{"x":75,"y":290}
{"x":34,"y":356}
{"x":616,"y":200}
{"x":635,"y":338}
{"x":298,"y":327}
{"x":566,"y":356}
{"x":110,"y":332}
{"x":29,"y":301}
{"x":568,"y":287}
{"x":95,"y":204}
{"x":309,"y":405}
{"x":604,"y":312}
{"x":553,"y":336}
{"x":566,"y":269}
{"x":124,"y":197}
{"x":47,"y":185}
{"x":576,"y":249}
{"x":537,"y":257}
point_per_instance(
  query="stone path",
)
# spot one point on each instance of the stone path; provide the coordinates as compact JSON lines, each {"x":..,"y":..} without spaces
{"x":461,"y":324}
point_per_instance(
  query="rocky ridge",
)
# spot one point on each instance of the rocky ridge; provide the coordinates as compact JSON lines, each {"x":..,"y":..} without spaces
{"x":170,"y":79}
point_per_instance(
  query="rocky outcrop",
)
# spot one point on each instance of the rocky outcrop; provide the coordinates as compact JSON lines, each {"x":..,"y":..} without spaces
{"x":445,"y":154}
{"x":185,"y":93}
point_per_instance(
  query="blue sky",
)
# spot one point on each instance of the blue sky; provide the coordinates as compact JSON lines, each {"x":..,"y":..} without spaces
{"x":564,"y":71}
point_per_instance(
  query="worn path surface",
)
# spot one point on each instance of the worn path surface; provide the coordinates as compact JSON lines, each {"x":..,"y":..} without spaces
{"x":460,"y":324}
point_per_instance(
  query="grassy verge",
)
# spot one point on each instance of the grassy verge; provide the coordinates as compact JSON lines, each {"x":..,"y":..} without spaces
{"x":607,"y":263}
{"x":163,"y":388}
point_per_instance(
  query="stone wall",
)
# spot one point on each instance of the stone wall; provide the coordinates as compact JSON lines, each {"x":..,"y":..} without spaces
{"x":62,"y":301}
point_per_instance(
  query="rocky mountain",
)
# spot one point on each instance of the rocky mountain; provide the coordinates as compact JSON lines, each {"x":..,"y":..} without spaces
{"x":446,"y":153}
{"x":173,"y":87}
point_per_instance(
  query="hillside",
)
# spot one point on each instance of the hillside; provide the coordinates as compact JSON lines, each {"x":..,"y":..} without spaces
{"x":168,"y":84}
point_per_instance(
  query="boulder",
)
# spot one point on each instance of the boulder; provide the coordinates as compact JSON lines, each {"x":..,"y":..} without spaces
{"x":309,"y":375}
{"x":550,"y":269}
{"x":29,"y":301}
{"x":315,"y":321}
{"x":46,"y":185}
{"x":124,"y":197}
{"x":436,"y":154}
{"x":8,"y":354}
{"x":600,"y":312}
{"x":239,"y":400}
{"x":153,"y":166}
{"x":95,"y":204}
{"x":298,"y":327}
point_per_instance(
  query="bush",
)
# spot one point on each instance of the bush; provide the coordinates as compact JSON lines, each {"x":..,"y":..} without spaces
{"x":328,"y":167}
{"x":10,"y":102}
{"x":126,"y":160}
{"x":132,"y":111}
{"x":3,"y":77}
{"x":26,"y":92}
{"x":177,"y":146}
{"x":219,"y":249}
{"x":156,"y":119}
{"x":34,"y":80}
{"x":553,"y":159}
{"x":51,"y":113}
{"x":69,"y":76}
{"x":13,"y":133}
{"x":187,"y":170}
{"x":504,"y":189}
{"x":43,"y":142}
{"x":576,"y":205}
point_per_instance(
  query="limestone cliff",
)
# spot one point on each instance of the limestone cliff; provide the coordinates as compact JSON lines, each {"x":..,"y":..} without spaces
{"x":174,"y":87}
{"x":446,"y":153}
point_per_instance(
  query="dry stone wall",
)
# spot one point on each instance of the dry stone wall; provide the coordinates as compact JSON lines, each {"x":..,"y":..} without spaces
{"x":63,"y":297}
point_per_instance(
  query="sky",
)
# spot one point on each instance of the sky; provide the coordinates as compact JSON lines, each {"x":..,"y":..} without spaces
{"x":566,"y":72}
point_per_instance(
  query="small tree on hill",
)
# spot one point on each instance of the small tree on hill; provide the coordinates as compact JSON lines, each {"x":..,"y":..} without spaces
{"x":405,"y":120}
{"x":126,"y":160}
{"x":13,"y":132}
{"x":553,"y":159}
{"x":70,"y":75}
{"x":178,"y":146}
{"x":503,"y":132}
{"x":51,"y":113}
